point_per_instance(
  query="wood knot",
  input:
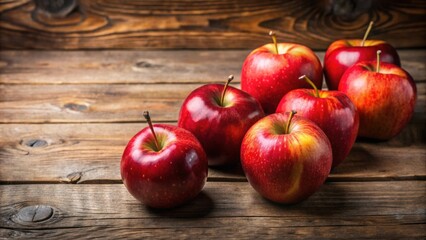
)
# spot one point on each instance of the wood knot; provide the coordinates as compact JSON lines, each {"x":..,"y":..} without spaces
{"x":76,"y":107}
{"x":144,"y":64}
{"x":348,"y":9}
{"x":34,"y":143}
{"x":74,"y":177}
{"x":55,"y":8}
{"x":34,"y":214}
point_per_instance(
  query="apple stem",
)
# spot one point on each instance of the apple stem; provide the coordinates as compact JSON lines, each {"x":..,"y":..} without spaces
{"x":148,"y":119}
{"x":222,"y":96}
{"x":378,"y":61}
{"x":366,"y":33}
{"x":274,"y":39}
{"x":287,"y":126}
{"x":304,"y":77}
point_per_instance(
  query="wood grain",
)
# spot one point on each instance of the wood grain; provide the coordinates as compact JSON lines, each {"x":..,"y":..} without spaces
{"x":91,"y":153}
{"x":79,"y":152}
{"x":135,"y":67}
{"x":379,"y":210}
{"x":91,"y":103}
{"x":114,"y":67}
{"x":65,"y":118}
{"x":114,"y":24}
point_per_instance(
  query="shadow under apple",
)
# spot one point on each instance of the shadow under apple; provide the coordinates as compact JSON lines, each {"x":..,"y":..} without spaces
{"x":198,"y":207}
{"x":329,"y":200}
{"x":234,"y":170}
{"x":360,"y":159}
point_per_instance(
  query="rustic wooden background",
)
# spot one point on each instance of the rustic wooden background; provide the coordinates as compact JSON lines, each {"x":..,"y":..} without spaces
{"x":210,"y":24}
{"x":66,"y":116}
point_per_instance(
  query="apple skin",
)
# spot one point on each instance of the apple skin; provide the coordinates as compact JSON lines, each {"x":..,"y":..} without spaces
{"x":385,"y":100}
{"x":286,"y":168}
{"x":332,"y":111}
{"x":219,"y":129}
{"x":169,"y":177}
{"x":343,"y":54}
{"x":268,"y":76}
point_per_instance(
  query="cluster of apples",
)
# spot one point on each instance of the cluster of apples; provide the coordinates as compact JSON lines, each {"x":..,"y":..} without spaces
{"x":286,"y":132}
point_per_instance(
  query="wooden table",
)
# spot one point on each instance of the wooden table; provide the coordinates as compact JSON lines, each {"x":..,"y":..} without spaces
{"x":66,"y":117}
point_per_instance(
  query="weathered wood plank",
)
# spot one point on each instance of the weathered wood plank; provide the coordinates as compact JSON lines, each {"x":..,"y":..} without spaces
{"x":91,"y":103}
{"x":379,"y":210}
{"x":101,"y":67}
{"x":209,"y":24}
{"x":91,"y":153}
{"x":59,"y":67}
{"x":104,"y":103}
{"x":246,"y":228}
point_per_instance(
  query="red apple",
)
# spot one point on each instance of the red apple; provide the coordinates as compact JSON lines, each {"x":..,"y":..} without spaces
{"x":285,"y":158}
{"x":342,"y":54}
{"x":384,"y":95}
{"x":219,"y":116}
{"x":164,"y":166}
{"x":270,"y":71}
{"x":332,"y":111}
